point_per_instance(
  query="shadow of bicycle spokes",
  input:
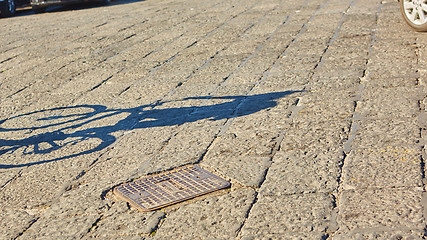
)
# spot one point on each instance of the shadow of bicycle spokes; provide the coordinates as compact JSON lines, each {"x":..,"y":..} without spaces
{"x":66,"y":132}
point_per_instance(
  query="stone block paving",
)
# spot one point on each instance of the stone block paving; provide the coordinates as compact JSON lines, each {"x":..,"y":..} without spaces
{"x":314,"y":110}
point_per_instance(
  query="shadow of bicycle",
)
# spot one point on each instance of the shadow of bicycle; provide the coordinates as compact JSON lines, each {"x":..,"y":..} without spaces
{"x":56,"y":133}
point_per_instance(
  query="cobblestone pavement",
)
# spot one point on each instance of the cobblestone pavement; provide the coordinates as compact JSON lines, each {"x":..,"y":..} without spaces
{"x":314,"y":110}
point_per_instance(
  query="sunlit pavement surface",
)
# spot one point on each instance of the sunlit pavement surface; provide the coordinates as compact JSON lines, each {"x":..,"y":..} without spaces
{"x":313,"y":110}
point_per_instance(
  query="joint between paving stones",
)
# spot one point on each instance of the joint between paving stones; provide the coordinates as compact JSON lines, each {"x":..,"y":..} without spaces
{"x":28,"y":227}
{"x":17,"y":92}
{"x":347,"y":146}
{"x":95,"y":224}
{"x":422,"y":129}
{"x":8,"y":59}
{"x":332,"y":39}
{"x":99,"y":84}
{"x":11,"y":180}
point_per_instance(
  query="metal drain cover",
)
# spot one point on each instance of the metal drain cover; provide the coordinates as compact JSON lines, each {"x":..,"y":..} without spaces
{"x":170,"y":187}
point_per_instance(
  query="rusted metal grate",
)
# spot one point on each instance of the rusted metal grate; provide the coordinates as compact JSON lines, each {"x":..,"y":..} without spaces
{"x":157,"y":191}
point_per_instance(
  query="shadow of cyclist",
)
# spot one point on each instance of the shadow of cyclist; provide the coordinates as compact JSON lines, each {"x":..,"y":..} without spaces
{"x":60,"y":127}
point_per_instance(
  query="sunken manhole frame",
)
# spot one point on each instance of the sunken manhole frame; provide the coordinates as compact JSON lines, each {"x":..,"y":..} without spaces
{"x":167,"y":188}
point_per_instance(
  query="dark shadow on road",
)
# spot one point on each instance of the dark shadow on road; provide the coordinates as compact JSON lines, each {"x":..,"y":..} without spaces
{"x":47,"y":131}
{"x":88,"y":4}
{"x":74,"y":6}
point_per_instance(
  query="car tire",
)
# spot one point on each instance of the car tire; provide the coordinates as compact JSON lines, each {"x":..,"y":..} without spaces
{"x":38,"y":9}
{"x":7,"y":8}
{"x":415,"y":13}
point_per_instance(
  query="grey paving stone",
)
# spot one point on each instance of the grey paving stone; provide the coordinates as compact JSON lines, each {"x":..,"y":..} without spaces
{"x":392,"y":57}
{"x":291,"y":215}
{"x":37,"y":186}
{"x":364,"y":168}
{"x":137,"y":143}
{"x":78,"y":199}
{"x":112,"y":171}
{"x":246,"y":170}
{"x":14,"y":222}
{"x":139,"y":95}
{"x":318,"y":33}
{"x":179,"y":152}
{"x":356,"y":46}
{"x":315,"y":134}
{"x":330,"y":110}
{"x":328,"y":95}
{"x":306,"y":46}
{"x":376,"y":103}
{"x":61,"y":227}
{"x":334,"y":83}
{"x":363,"y":7}
{"x":228,"y":89}
{"x":232,"y":79}
{"x":402,"y":66}
{"x":307,"y":59}
{"x":121,"y":222}
{"x":253,"y":65}
{"x":283,"y":96}
{"x":303,"y":171}
{"x":397,"y":72}
{"x":279,"y":80}
{"x":10,"y":159}
{"x":289,"y":235}
{"x":336,"y":60}
{"x":392,"y":208}
{"x":270,"y":119}
{"x":382,"y":234}
{"x":390,"y":82}
{"x":206,"y":218}
{"x":337,"y":70}
{"x":234,"y":150}
{"x":124,"y":237}
{"x":343,"y":68}
{"x":241,"y":143}
{"x":406,"y":45}
{"x":385,"y":133}
{"x":7,"y":175}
